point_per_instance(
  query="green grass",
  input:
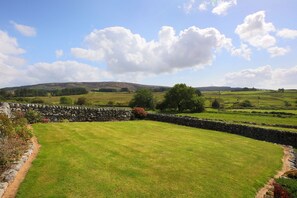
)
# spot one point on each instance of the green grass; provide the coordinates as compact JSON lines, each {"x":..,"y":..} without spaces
{"x":146,"y":159}
{"x":259,"y":99}
{"x":238,"y":117}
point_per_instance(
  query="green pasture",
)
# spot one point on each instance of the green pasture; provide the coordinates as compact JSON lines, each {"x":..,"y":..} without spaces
{"x":146,"y":159}
{"x":245,"y":117}
{"x":259,"y":99}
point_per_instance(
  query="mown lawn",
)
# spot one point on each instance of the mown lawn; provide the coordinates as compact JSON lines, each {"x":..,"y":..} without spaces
{"x":146,"y":159}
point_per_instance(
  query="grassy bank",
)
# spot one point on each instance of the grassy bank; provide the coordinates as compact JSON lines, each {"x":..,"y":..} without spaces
{"x":146,"y":159}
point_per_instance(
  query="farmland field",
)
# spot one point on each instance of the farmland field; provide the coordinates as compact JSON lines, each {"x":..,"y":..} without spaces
{"x":146,"y":159}
{"x":265,"y":100}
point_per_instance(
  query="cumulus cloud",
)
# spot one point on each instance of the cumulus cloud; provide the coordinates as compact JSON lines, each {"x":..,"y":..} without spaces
{"x":219,"y":7}
{"x":65,"y":71}
{"x":124,"y":51}
{"x":287,"y":33}
{"x":256,"y":31}
{"x":59,"y":53}
{"x":243,"y":51}
{"x":222,"y":6}
{"x":263,"y":77}
{"x":277,"y":51}
{"x":10,"y":59}
{"x":24,"y":29}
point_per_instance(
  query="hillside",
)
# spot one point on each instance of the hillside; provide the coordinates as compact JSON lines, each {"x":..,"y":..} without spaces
{"x":88,"y":85}
{"x":112,"y":85}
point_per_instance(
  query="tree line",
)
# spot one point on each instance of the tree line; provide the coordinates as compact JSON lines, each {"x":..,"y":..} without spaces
{"x":25,"y":92}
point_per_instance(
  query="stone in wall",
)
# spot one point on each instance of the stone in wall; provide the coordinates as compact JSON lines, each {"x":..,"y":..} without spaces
{"x":75,"y":113}
{"x":5,"y":109}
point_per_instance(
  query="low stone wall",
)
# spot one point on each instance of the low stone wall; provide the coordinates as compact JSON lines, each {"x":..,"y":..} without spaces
{"x":74,"y":113}
{"x":269,"y":135}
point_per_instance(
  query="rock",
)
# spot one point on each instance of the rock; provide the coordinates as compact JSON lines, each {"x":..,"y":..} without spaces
{"x":1,"y":192}
{"x":9,"y":175}
{"x":3,"y":185}
{"x":5,"y":108}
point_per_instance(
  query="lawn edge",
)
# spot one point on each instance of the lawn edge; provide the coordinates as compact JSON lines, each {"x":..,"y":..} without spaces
{"x":13,"y":187}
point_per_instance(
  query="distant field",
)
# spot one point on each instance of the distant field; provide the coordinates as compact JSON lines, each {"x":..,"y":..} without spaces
{"x":260,"y":99}
{"x":237,"y":117}
{"x":101,"y":98}
{"x":146,"y":159}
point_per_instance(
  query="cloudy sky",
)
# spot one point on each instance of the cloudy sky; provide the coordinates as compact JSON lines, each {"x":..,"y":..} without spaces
{"x":247,"y":43}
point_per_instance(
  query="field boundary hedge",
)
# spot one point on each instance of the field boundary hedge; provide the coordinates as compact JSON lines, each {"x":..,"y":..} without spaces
{"x":269,"y":135}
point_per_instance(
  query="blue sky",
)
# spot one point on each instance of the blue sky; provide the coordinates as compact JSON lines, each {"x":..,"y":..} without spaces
{"x":197,"y":42}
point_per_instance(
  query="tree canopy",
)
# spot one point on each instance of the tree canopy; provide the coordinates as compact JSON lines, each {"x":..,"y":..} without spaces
{"x":181,"y":98}
{"x":143,"y":98}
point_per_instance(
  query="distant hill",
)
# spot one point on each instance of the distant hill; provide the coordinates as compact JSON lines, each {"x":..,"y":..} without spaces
{"x":88,"y":85}
{"x":112,"y":85}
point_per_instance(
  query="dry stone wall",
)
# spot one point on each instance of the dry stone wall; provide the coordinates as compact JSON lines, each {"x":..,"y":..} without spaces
{"x":75,"y":113}
{"x":269,"y":135}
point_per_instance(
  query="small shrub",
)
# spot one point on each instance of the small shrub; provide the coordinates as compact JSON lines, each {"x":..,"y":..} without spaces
{"x":11,"y":149}
{"x":280,"y":192}
{"x":33,"y":116}
{"x":66,"y":100}
{"x":110,"y":103}
{"x":285,"y":188}
{"x":45,"y":120}
{"x":245,"y":103}
{"x":81,"y":101}
{"x":139,"y":112}
{"x":6,"y":126}
{"x":215,"y":104}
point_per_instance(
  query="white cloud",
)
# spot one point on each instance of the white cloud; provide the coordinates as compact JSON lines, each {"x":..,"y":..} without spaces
{"x":10,"y":60}
{"x":277,"y":51}
{"x":243,"y":51}
{"x":222,"y":6}
{"x":24,"y":29}
{"x":202,"y":6}
{"x":124,"y":51}
{"x":263,"y":77}
{"x":287,"y":33}
{"x":255,"y":31}
{"x":188,"y":6}
{"x":65,"y":71}
{"x":59,"y":53}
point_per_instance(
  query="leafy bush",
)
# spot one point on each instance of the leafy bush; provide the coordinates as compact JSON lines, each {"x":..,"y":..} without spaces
{"x":182,"y":98}
{"x":81,"y":101}
{"x":45,"y":120}
{"x":66,"y":100}
{"x":21,"y":126}
{"x":215,"y":104}
{"x":6,"y":126}
{"x":33,"y":116}
{"x":11,"y":148}
{"x":139,"y":112}
{"x":143,"y":98}
{"x":245,"y":103}
{"x":285,"y":188}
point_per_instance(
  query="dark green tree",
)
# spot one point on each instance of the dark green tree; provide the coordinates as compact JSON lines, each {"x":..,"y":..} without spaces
{"x":81,"y":101}
{"x":216,"y":104}
{"x":182,"y":97}
{"x":143,"y":98}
